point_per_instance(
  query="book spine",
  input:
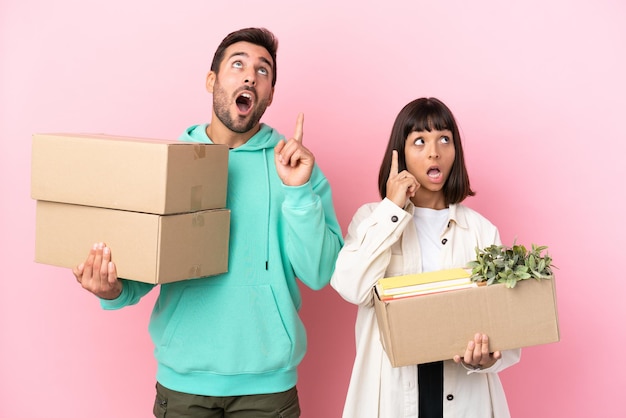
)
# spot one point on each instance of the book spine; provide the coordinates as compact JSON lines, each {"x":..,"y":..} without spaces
{"x":387,"y":297}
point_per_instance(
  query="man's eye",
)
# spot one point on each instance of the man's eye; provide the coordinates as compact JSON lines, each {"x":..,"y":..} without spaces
{"x":237,"y":64}
{"x":263,"y":71}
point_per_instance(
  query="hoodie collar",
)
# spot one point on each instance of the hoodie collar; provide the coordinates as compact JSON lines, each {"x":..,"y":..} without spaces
{"x":266,"y":138}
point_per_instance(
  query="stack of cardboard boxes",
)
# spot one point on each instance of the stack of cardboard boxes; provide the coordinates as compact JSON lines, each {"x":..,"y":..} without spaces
{"x":159,"y":205}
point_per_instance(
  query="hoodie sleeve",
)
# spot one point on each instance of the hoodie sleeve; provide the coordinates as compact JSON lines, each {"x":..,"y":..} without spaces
{"x":132,"y":292}
{"x":314,"y":234}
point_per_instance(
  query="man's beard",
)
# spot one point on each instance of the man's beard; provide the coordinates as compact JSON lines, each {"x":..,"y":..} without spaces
{"x":221,"y":103}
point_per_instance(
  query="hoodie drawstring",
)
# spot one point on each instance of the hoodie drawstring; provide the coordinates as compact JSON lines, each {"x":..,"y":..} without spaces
{"x":269,"y":202}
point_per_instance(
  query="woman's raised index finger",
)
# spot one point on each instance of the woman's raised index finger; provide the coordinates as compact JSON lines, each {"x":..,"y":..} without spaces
{"x":299,"y":127}
{"x":394,"y":163}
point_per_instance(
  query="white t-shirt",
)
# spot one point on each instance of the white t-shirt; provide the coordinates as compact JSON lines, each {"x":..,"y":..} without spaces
{"x":430,"y":224}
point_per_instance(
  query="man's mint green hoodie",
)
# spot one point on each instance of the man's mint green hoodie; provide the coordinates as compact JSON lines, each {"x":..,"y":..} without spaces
{"x":239,"y":333}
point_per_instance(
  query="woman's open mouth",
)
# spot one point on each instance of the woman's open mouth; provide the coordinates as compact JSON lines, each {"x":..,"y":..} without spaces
{"x":434,"y":173}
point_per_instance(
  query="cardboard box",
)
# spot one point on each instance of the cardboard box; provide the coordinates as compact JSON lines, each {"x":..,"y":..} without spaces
{"x":136,"y":174}
{"x":145,"y":247}
{"x":435,"y":327}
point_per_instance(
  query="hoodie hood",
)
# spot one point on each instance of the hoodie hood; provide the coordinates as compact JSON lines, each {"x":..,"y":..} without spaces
{"x":266,"y":138}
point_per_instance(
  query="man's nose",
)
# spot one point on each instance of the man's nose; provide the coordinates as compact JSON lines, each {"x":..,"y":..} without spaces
{"x":250,"y":78}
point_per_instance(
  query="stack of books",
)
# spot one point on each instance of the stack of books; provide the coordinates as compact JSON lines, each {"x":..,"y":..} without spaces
{"x":411,"y":285}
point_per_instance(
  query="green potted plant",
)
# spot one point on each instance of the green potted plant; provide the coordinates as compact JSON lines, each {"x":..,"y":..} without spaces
{"x":508,"y":265}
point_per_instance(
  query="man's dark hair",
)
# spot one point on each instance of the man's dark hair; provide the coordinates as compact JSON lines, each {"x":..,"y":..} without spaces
{"x":257,"y":36}
{"x":426,"y":114}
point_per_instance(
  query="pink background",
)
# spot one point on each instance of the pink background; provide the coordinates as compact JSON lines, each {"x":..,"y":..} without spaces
{"x":537,"y":87}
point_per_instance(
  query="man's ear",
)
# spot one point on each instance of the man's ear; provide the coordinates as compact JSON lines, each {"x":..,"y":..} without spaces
{"x":269,"y":102}
{"x":210,"y":81}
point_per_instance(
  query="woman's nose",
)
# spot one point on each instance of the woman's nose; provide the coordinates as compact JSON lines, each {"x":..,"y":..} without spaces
{"x":433,"y":152}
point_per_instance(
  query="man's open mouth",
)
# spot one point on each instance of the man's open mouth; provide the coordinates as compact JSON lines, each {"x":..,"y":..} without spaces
{"x":244,"y":102}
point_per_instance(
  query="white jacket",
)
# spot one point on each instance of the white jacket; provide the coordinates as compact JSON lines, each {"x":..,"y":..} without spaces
{"x":378,"y":238}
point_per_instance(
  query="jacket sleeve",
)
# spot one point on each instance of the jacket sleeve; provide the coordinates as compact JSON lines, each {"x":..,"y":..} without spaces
{"x":132,"y":292}
{"x":313,"y":232}
{"x":508,"y":359}
{"x":367,"y":251}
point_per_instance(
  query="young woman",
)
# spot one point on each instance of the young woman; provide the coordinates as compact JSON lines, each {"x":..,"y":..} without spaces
{"x":420,"y":225}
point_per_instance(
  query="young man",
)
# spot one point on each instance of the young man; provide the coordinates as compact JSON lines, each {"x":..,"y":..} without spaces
{"x":229,"y":345}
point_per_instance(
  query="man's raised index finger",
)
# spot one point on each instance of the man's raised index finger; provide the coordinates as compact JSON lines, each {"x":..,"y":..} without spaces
{"x":299,"y":127}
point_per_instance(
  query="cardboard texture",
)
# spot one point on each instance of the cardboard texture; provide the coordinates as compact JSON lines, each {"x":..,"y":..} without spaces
{"x":435,"y":327}
{"x":145,"y":247}
{"x":135,"y":174}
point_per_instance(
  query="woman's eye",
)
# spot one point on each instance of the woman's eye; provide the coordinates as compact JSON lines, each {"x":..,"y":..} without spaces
{"x":445,"y":139}
{"x":419,"y":141}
